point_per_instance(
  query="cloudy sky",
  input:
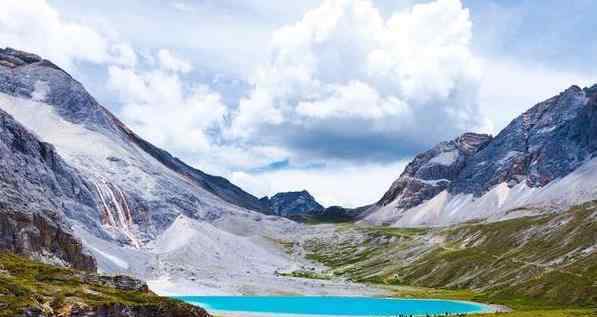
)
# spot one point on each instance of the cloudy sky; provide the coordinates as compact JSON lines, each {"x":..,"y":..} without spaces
{"x":332,"y":96}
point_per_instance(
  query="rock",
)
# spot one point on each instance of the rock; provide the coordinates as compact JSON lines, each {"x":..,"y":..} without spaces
{"x":27,"y":58}
{"x":293,"y":204}
{"x":547,"y":142}
{"x":433,"y":171}
{"x":37,"y":187}
{"x":120,"y":310}
{"x":121,"y":282}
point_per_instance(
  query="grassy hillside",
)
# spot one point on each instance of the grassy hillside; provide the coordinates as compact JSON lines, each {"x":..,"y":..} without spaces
{"x":31,"y":286}
{"x":544,"y":261}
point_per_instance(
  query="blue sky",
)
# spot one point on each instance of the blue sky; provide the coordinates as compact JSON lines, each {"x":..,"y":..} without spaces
{"x":331,"y":96}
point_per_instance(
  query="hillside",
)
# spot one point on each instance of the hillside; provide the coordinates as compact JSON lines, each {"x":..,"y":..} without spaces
{"x":546,"y":260}
{"x":29,"y":288}
{"x":70,"y":166}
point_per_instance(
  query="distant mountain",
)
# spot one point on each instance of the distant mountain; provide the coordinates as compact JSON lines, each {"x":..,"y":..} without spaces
{"x":292,"y":204}
{"x":545,"y":157}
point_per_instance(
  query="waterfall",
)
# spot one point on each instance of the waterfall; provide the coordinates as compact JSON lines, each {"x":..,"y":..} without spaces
{"x":116,"y":211}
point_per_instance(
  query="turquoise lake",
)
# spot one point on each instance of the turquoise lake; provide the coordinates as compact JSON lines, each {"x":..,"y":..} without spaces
{"x":331,"y":306}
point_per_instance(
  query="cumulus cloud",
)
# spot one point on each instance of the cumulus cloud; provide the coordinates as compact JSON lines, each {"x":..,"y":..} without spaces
{"x":157,"y":105}
{"x":173,"y":63}
{"x":509,"y":88}
{"x":347,"y":75}
{"x":37,"y":27}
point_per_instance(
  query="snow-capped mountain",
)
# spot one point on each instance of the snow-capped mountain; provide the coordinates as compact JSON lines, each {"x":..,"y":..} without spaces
{"x":292,"y":203}
{"x":545,"y":157}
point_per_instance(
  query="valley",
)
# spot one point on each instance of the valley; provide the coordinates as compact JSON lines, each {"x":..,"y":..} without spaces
{"x":509,"y":220}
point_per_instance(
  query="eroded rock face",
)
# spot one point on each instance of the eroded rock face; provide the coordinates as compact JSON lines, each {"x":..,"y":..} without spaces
{"x":36,"y":236}
{"x":433,"y":171}
{"x":36,"y":189}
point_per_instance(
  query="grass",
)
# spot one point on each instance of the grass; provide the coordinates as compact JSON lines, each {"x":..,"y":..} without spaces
{"x":26,"y":284}
{"x":536,"y":265}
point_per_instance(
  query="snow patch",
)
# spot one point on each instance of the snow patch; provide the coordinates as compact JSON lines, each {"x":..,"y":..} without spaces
{"x":445,"y":158}
{"x":500,"y":203}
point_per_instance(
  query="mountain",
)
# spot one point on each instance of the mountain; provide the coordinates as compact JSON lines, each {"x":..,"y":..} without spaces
{"x":80,"y":189}
{"x":292,"y":204}
{"x":543,"y":158}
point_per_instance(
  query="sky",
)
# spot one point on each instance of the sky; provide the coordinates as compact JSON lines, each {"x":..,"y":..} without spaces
{"x":331,"y":96}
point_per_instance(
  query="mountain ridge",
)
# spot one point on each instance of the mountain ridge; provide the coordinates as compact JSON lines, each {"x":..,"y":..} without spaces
{"x":548,"y":142}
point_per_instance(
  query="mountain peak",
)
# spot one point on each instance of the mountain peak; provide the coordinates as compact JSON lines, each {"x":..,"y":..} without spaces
{"x":293,"y":203}
{"x":14,"y":58}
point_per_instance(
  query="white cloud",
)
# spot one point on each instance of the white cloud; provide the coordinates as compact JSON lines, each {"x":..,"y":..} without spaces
{"x":509,"y":88}
{"x":355,"y":99}
{"x":169,"y":61}
{"x":160,"y":108}
{"x":36,"y":27}
{"x":344,"y":64}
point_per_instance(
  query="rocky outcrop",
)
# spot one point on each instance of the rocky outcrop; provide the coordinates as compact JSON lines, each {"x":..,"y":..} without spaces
{"x":36,"y":236}
{"x":120,"y":310}
{"x":120,"y":282}
{"x":433,"y":171}
{"x":292,"y":204}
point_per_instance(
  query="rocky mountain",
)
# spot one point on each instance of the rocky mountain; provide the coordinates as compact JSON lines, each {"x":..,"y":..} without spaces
{"x":433,"y":171}
{"x":78,"y":188}
{"x":544,"y":157}
{"x":292,"y":204}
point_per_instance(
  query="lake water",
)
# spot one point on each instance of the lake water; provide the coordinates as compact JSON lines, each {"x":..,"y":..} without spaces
{"x":331,"y":306}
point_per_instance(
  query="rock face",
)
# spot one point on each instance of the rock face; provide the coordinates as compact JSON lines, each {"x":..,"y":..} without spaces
{"x":433,"y":171}
{"x":40,"y":238}
{"x":38,"y":187}
{"x":292,"y":204}
{"x":550,"y":141}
